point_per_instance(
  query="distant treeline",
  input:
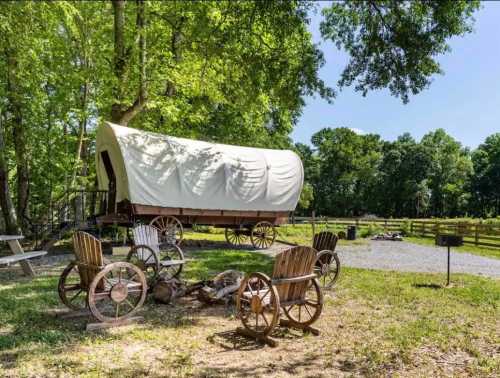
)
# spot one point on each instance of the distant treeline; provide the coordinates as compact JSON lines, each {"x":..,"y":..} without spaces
{"x":347,"y":174}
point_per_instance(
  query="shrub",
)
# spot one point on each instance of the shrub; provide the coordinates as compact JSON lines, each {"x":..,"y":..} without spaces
{"x":370,"y":230}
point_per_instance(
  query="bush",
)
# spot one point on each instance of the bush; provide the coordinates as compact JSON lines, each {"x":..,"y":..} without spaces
{"x":406,"y":228}
{"x":370,"y":230}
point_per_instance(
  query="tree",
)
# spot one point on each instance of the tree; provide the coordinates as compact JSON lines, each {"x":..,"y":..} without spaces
{"x":348,"y":170}
{"x":395,"y":44}
{"x":485,"y":181}
{"x":402,"y":182}
{"x":450,"y":168}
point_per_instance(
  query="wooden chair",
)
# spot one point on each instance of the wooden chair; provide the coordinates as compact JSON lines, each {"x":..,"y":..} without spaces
{"x":113,"y":292}
{"x":327,"y":265}
{"x":293,"y":288}
{"x":153,"y":254}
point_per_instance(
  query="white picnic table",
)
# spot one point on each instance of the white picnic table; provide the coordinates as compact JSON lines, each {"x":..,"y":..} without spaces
{"x":18,"y":254}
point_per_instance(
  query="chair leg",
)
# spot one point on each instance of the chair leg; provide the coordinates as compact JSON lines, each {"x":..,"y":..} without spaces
{"x":259,"y":338}
{"x":304,"y":328}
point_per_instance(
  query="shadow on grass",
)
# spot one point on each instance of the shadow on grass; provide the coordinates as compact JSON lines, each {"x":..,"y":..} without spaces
{"x":428,"y":286}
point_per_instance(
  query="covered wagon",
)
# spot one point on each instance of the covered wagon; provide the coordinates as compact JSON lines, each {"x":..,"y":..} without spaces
{"x":172,"y":182}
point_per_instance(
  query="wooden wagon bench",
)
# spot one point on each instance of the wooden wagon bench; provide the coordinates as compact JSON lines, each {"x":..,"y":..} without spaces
{"x":111,"y":292}
{"x":327,"y":266}
{"x":293,"y":289}
{"x":18,"y":254}
{"x":155,"y":253}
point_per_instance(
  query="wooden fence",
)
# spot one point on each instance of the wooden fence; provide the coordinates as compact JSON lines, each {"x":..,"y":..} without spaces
{"x":474,"y":233}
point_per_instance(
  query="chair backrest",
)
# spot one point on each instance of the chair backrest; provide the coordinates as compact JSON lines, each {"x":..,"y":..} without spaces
{"x":325,"y":240}
{"x":291,"y":263}
{"x":88,"y":252}
{"x":146,"y":235}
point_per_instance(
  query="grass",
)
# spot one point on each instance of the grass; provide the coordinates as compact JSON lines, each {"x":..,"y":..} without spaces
{"x":374,"y":323}
{"x":298,"y":234}
{"x":466,"y":248}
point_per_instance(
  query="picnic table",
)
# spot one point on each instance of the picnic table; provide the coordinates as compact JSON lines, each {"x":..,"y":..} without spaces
{"x":18,"y":254}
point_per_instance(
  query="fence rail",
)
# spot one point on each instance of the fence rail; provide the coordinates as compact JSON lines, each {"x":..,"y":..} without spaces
{"x":474,"y":233}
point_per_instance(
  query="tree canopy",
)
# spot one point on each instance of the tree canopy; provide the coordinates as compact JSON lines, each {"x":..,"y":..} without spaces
{"x":227,"y":71}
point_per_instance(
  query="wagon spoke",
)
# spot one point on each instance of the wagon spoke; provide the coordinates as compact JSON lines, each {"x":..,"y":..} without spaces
{"x":117,"y":313}
{"x":307,"y":309}
{"x":76,"y":295}
{"x":265,"y":319}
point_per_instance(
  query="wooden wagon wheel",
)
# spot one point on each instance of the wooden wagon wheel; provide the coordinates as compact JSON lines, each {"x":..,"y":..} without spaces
{"x":236,"y":236}
{"x":70,"y":289}
{"x":143,"y":257}
{"x":117,"y":292}
{"x":169,"y":252}
{"x":170,"y":227}
{"x":307,"y":312}
{"x":327,"y":268}
{"x":263,"y":235}
{"x":258,"y":305}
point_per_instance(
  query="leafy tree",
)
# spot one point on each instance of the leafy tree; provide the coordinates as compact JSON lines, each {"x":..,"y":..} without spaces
{"x":395,"y":44}
{"x":485,"y":181}
{"x":402,"y":182}
{"x":450,"y":168}
{"x":348,"y":170}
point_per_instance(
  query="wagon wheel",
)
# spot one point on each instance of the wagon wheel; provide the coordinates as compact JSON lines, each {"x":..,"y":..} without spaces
{"x":117,"y":292}
{"x":143,"y":257}
{"x":70,"y":289}
{"x":327,"y":268}
{"x":169,"y":252}
{"x":263,"y":235}
{"x":236,"y":236}
{"x":170,"y":229}
{"x":307,"y":312}
{"x":258,"y":304}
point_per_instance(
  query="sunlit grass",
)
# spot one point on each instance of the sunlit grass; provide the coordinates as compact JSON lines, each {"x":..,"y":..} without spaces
{"x":373,"y":323}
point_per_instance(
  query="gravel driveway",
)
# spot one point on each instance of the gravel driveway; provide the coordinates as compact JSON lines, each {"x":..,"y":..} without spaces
{"x":408,"y":257}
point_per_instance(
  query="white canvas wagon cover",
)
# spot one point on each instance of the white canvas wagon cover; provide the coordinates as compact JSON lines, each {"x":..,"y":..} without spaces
{"x":159,"y":170}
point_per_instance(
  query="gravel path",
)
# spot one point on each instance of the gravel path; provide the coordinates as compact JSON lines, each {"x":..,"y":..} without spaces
{"x":408,"y":257}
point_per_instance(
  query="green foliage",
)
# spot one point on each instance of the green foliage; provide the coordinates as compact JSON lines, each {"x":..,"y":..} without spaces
{"x":233,"y":72}
{"x":394,"y":44}
{"x":485,"y":181}
{"x":354,"y":175}
{"x":306,"y":197}
{"x":370,"y":230}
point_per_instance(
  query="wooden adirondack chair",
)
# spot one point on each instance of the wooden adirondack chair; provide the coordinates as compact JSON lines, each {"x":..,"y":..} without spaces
{"x":292,"y":288}
{"x":327,"y":265}
{"x":154,"y":254}
{"x":113,"y":292}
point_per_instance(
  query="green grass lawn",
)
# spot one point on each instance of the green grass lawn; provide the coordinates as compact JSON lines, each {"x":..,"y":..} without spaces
{"x":467,"y":248}
{"x":374,"y":323}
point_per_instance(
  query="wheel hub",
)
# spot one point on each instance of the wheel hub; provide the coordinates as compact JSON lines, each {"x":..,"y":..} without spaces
{"x":325,"y":268}
{"x":119,"y":292}
{"x":256,"y":304}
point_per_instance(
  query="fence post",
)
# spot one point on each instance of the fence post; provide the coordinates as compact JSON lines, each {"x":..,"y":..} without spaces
{"x":313,"y":220}
{"x":385,"y":226}
{"x":476,"y":234}
{"x":438,"y":226}
{"x":411,"y":227}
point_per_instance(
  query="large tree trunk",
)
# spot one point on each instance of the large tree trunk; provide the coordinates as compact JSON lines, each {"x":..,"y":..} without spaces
{"x":8,"y":211}
{"x":19,"y":138}
{"x":120,"y":113}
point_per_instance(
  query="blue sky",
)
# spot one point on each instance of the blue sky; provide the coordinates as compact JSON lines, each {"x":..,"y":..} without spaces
{"x":465,"y":101}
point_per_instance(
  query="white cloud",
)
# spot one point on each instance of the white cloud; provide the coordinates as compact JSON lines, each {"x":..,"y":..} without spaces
{"x":357,"y":131}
